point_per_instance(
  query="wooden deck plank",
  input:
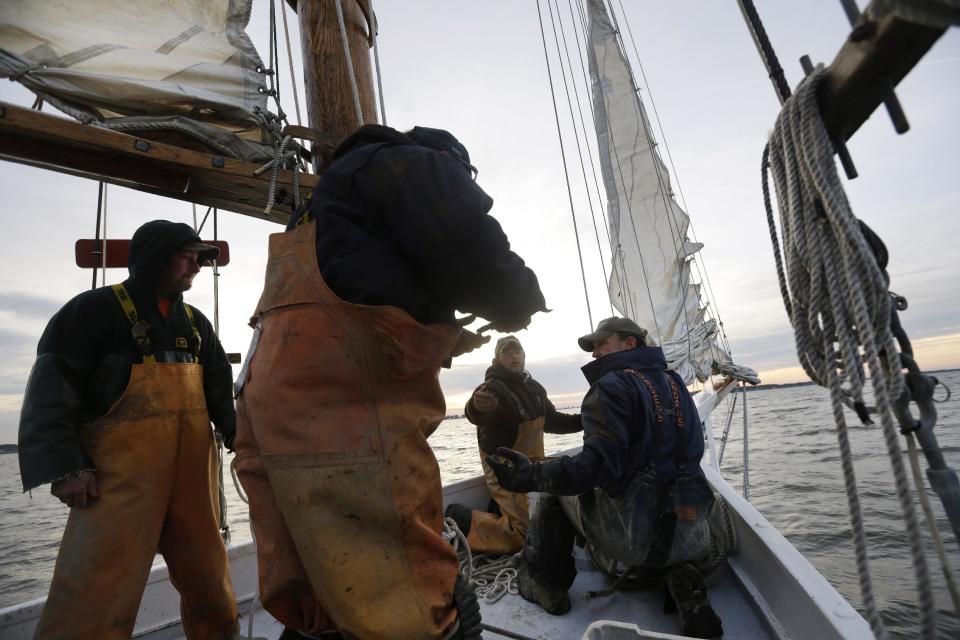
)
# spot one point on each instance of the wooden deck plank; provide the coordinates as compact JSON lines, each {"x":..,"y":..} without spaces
{"x":56,"y":143}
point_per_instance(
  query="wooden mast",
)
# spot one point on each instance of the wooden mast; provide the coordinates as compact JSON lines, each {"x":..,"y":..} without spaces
{"x":329,"y":96}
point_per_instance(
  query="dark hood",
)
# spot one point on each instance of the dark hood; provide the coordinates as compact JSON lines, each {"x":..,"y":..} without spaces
{"x":639,"y":358}
{"x":436,"y":139}
{"x":370,"y":134}
{"x":151,"y":247}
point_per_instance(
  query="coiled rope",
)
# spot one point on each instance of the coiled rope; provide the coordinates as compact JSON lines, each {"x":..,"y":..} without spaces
{"x":492,"y":576}
{"x":838,"y":303}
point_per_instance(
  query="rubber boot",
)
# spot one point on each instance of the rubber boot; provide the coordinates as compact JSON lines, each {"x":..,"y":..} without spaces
{"x":460,"y":514}
{"x":697,"y":617}
{"x":554,"y":601}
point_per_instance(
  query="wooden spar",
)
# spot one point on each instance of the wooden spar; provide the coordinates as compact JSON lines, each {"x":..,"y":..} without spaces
{"x":329,"y":96}
{"x":51,"y":142}
{"x":876,"y":56}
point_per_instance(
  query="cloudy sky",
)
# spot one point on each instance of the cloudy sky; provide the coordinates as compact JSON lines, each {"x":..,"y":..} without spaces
{"x":477,"y":69}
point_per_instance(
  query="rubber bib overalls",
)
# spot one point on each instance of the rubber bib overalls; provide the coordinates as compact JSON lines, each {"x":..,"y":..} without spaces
{"x":332,"y":422}
{"x":157,"y":476}
{"x":505,"y":534}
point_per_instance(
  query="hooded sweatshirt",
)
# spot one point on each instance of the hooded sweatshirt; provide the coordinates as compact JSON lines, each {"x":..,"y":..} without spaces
{"x":520,"y":399}
{"x":400,"y":223}
{"x":85,"y":355}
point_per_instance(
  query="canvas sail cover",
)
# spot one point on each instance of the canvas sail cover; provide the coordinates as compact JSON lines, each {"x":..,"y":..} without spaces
{"x":650,"y":275}
{"x":185,"y":65}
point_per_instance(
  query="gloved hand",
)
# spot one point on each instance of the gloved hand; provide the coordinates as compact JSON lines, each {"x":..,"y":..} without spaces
{"x":468,"y":610}
{"x":467,"y":342}
{"x":515,"y":472}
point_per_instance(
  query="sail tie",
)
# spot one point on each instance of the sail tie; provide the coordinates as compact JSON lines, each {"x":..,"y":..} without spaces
{"x":839,"y":305}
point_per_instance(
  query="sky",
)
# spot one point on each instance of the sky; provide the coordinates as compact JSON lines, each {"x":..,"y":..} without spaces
{"x":478,"y":70}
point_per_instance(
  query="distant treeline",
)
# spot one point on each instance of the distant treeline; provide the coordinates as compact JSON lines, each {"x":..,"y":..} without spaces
{"x":8,"y":448}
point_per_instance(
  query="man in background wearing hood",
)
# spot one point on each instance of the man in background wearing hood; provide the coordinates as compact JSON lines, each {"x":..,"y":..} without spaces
{"x":512,"y":410}
{"x":635,"y":492}
{"x":116,"y":417}
{"x":341,"y":390}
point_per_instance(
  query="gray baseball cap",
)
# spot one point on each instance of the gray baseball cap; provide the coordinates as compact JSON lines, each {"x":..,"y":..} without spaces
{"x":609,"y":326}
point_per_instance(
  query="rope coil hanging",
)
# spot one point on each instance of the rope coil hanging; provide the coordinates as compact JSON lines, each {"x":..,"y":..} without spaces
{"x":839,"y":306}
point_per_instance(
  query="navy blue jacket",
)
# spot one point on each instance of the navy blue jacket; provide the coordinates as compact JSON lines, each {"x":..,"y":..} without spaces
{"x":404,"y":225}
{"x":621,"y":431}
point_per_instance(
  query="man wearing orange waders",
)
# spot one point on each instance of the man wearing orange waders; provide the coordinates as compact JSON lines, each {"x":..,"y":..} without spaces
{"x":340,"y":391}
{"x":116,"y":416}
{"x":511,"y":410}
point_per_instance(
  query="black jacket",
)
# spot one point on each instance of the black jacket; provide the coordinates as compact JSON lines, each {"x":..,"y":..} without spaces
{"x":621,"y":430}
{"x":403,"y":225}
{"x":520,"y":398}
{"x":83,"y":365}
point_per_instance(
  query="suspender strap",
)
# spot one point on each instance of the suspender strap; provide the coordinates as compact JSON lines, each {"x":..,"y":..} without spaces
{"x":680,"y":450}
{"x":196,"y":332}
{"x":680,"y":447}
{"x":139,"y":328}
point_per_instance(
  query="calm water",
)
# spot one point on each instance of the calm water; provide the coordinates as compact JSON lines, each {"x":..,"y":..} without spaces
{"x":795,"y":481}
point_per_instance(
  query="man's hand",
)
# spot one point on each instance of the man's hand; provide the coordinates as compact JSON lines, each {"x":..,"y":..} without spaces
{"x":468,"y":342}
{"x":483,"y":400}
{"x":514,"y":471}
{"x":79,"y":491}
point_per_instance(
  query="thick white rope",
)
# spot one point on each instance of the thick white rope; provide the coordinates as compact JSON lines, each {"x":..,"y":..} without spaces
{"x":349,"y":59}
{"x":492,"y":576}
{"x":838,"y":303}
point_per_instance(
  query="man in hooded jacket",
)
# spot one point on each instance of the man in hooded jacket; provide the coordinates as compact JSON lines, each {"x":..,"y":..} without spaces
{"x":635,"y":493}
{"x":116,"y":417}
{"x":341,"y":391}
{"x":510,"y":409}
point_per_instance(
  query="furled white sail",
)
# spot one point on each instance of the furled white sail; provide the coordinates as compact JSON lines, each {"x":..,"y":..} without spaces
{"x":651,"y":254}
{"x":185,"y":65}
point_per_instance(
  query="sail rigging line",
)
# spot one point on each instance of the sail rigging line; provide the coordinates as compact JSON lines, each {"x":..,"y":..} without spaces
{"x":726,"y":429}
{"x":576,"y":134}
{"x":593,"y":115}
{"x":293,"y":74}
{"x":698,"y":258}
{"x":665,"y":198}
{"x":932,"y":523}
{"x":271,"y":72}
{"x":375,"y":36}
{"x":93,"y":283}
{"x":765,"y":48}
{"x":103,"y":246}
{"x":563,"y":156}
{"x":746,"y":445}
{"x":840,"y":299}
{"x":351,"y":74}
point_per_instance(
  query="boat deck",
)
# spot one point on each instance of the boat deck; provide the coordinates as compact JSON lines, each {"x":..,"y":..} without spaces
{"x":520,"y":618}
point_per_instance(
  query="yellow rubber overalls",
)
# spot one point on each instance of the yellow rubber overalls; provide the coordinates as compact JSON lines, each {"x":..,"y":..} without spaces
{"x":506,"y":533}
{"x":333,"y":417}
{"x":158,"y":484}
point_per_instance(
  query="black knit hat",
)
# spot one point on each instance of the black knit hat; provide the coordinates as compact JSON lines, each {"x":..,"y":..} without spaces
{"x":442,"y":140}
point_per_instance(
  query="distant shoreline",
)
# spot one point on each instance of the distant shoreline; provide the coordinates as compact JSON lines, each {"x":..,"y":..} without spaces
{"x":8,"y":448}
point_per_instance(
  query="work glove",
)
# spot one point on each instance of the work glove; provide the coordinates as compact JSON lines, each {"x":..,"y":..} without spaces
{"x":468,"y":610}
{"x":515,"y":472}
